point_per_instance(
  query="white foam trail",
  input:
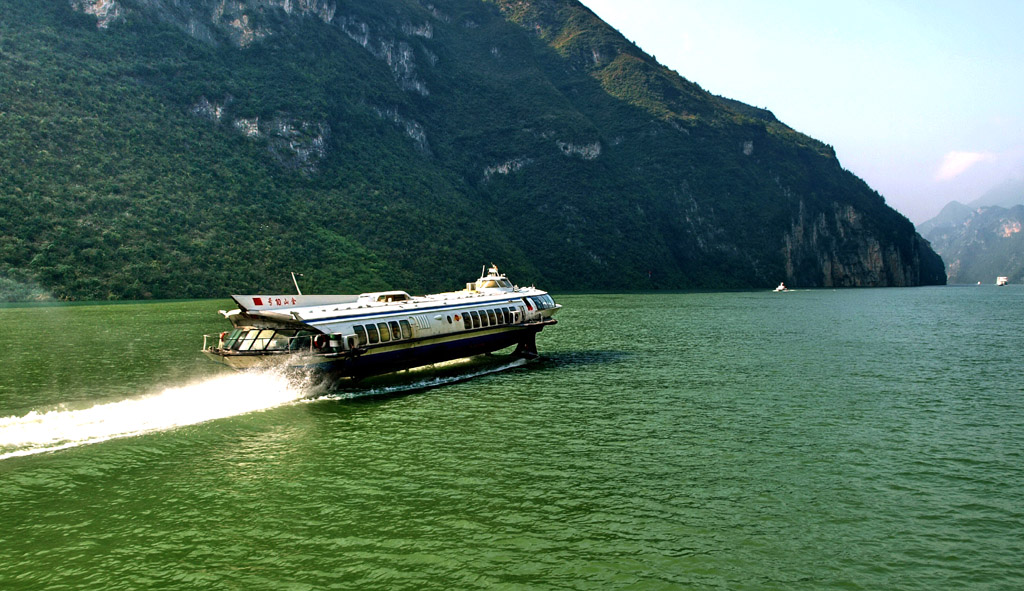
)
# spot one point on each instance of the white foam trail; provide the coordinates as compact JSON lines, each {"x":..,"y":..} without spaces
{"x":214,"y":398}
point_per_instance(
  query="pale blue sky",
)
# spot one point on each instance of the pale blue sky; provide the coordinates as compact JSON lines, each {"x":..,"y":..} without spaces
{"x":923,"y":99}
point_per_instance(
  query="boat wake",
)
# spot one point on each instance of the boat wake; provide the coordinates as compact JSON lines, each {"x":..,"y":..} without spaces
{"x":215,"y":398}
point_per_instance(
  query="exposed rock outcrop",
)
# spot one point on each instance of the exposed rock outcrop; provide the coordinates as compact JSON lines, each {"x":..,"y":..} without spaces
{"x":835,"y":249}
{"x":412,"y":128}
{"x":585,"y":151}
{"x":202,"y":19}
{"x":505,"y":168}
{"x":105,"y":11}
{"x":979,"y":243}
{"x":293,"y":143}
{"x":398,"y":54}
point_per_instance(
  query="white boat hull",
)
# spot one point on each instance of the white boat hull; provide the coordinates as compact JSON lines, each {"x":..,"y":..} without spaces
{"x":383,"y":332}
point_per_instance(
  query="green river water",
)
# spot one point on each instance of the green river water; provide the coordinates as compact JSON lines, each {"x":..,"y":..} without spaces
{"x":852,"y":439}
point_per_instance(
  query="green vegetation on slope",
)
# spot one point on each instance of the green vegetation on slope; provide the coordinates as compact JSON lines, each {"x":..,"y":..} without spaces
{"x":979,"y":244}
{"x":568,"y":157}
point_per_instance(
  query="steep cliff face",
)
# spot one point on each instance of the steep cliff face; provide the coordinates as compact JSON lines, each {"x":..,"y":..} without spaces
{"x":837,"y":247}
{"x":176,"y":148}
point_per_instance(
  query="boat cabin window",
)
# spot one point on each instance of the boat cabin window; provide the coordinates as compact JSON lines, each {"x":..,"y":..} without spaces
{"x":232,"y":338}
{"x":393,"y":297}
{"x":506,"y":313}
{"x":280,"y":340}
{"x":267,"y":340}
{"x":382,"y":332}
{"x":543,"y":302}
{"x":245,"y":343}
{"x":301,"y":340}
{"x":467,"y":322}
{"x":261,"y":340}
{"x":483,"y":318}
{"x":476,"y":318}
{"x":491,"y":317}
{"x":493,"y":283}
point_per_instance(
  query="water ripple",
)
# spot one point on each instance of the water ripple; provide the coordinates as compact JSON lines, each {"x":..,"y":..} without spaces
{"x":824,"y":440}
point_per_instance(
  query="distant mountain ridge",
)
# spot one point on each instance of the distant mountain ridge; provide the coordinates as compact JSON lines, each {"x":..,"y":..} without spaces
{"x":193,"y":148}
{"x":979,"y":244}
{"x":1006,"y":194}
{"x":952,"y":215}
{"x":981,"y":240}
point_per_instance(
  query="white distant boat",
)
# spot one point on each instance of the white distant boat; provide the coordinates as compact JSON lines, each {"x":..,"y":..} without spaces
{"x":782,"y":287}
{"x":1002,"y":280}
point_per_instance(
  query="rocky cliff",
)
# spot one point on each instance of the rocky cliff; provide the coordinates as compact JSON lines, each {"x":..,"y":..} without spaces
{"x":980,"y":243}
{"x":836,"y":247}
{"x":173,"y":148}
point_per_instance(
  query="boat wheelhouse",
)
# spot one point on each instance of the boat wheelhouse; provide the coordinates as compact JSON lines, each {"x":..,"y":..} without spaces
{"x":381,"y":332}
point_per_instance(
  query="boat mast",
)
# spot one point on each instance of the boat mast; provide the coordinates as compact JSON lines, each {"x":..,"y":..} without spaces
{"x":296,"y":282}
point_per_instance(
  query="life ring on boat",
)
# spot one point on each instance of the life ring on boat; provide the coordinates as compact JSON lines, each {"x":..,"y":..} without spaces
{"x":320,"y":341}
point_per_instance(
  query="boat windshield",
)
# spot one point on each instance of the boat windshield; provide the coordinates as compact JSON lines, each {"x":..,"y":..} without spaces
{"x":267,"y":340}
{"x":494,"y":283}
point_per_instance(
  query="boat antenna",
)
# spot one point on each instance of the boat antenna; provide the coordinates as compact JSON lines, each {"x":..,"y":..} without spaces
{"x":296,"y":282}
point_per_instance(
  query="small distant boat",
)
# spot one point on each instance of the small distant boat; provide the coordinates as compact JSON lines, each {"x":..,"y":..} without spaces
{"x":1002,"y":280}
{"x":781,"y":287}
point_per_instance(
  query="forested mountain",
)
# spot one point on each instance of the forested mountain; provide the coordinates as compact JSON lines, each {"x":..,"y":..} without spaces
{"x":979,"y":244}
{"x":194,"y":148}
